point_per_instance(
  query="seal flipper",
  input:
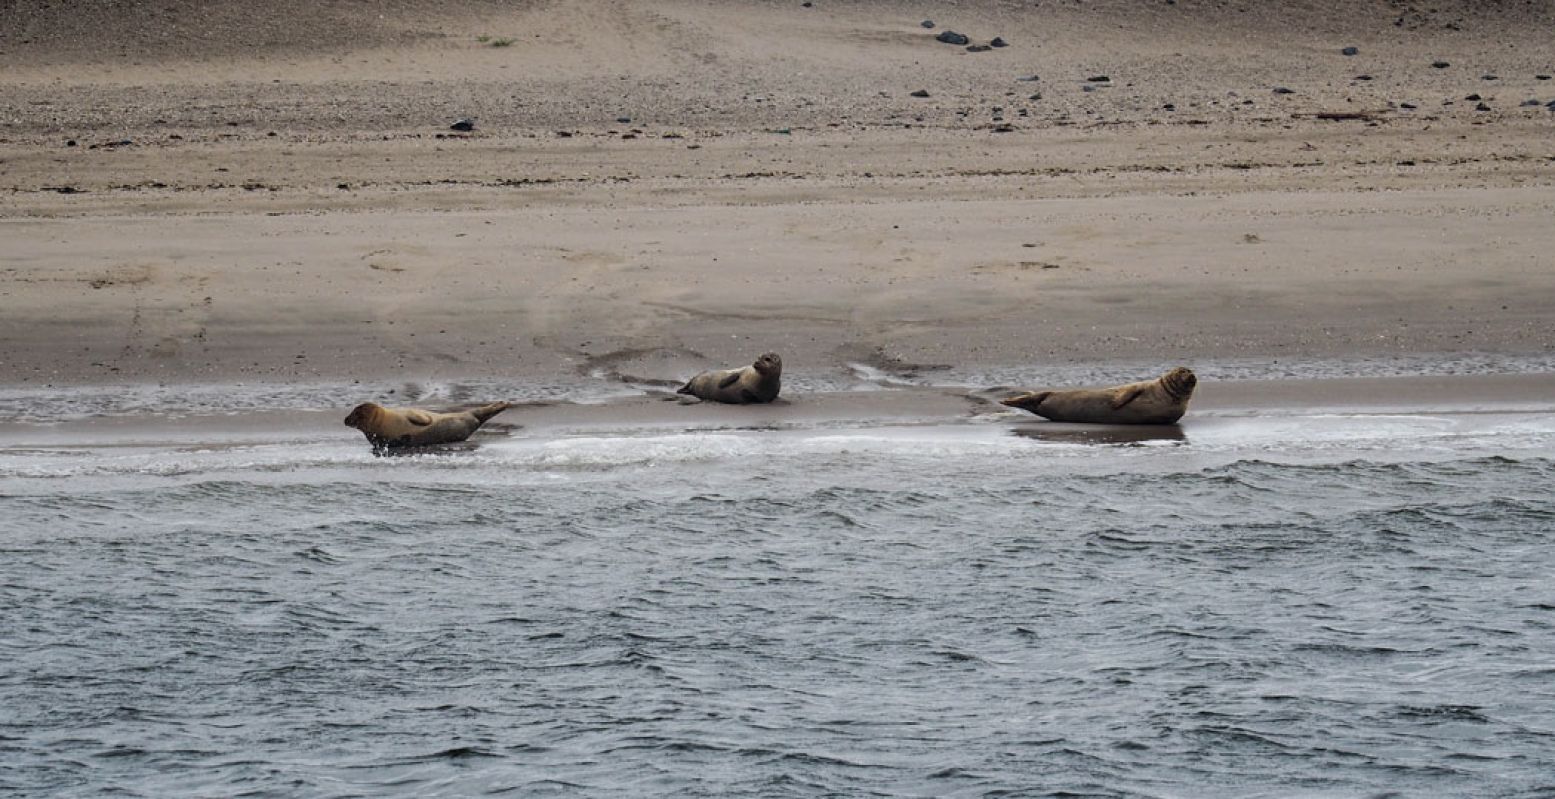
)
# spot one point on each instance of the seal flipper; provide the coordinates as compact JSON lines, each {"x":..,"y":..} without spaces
{"x":418,"y":417}
{"x":1028,"y":401}
{"x":1125,"y":396}
{"x":731,"y":379}
{"x":485,"y":412}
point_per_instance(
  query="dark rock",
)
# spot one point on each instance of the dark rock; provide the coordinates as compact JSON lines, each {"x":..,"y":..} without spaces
{"x":928,"y":23}
{"x":1440,"y":64}
{"x":1283,"y":90}
{"x":1169,"y":107}
{"x":1408,"y":106}
{"x":951,"y":37}
{"x":921,"y":93}
{"x":1489,"y":77}
{"x":1481,"y":107}
{"x":1351,"y":51}
{"x":1406,"y":163}
{"x":1087,"y":88}
{"x":1037,"y":96}
{"x":1473,"y":98}
{"x":1363,"y":77}
{"x":624,"y":120}
{"x":1099,"y":79}
{"x":464,"y":125}
{"x":1550,"y":105}
{"x":563,"y":134}
{"x":70,"y":142}
{"x":807,"y":4}
{"x":978,"y":48}
{"x":1541,"y":77}
{"x":343,"y":186}
{"x":998,"y":42}
{"x":1530,"y":103}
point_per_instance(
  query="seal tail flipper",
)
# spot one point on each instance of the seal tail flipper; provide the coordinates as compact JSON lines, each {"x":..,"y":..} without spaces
{"x":1027,"y":401}
{"x":485,"y":412}
{"x":685,"y":389}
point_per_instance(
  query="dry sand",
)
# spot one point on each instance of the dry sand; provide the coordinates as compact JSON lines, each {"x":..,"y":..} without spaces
{"x":213,"y":191}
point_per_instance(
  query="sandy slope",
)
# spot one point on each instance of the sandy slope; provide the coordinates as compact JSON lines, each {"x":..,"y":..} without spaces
{"x":213,"y":190}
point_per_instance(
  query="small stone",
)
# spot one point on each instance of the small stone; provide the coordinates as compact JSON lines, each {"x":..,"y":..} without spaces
{"x":1099,"y":79}
{"x":928,"y":23}
{"x":1351,"y":51}
{"x":978,"y":48}
{"x":1169,"y":107}
{"x":1481,"y":107}
{"x":1037,"y":96}
{"x":1283,"y":90}
{"x":1408,"y":106}
{"x":951,"y":37}
{"x":1440,"y":64}
{"x":998,"y":42}
{"x":624,"y":120}
{"x":1489,"y":77}
{"x":464,"y":125}
{"x":1541,"y":77}
{"x":1087,"y":88}
{"x":70,"y":142}
{"x":1363,"y":77}
{"x":1530,"y":103}
{"x":921,"y":93}
{"x":1473,"y":98}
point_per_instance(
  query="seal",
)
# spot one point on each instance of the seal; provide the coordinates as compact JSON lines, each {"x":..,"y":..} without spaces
{"x":759,"y":382}
{"x":1160,"y":401}
{"x":392,"y":428}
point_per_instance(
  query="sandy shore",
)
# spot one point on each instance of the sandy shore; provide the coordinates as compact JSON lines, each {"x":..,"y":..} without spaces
{"x":192,"y":195}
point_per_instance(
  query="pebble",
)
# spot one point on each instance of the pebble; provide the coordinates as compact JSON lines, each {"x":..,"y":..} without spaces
{"x":978,"y":48}
{"x":1528,"y":103}
{"x":1351,"y":50}
{"x":1473,"y":98}
{"x":1440,"y":64}
{"x":921,"y":93}
{"x":1363,"y":77}
{"x":928,"y":23}
{"x":464,"y":125}
{"x":1481,"y":107}
{"x":624,"y":120}
{"x":1541,"y":77}
{"x":1099,"y":79}
{"x":1490,"y":77}
{"x":1408,"y":106}
{"x":951,"y":37}
{"x":1283,"y":90}
{"x":998,"y":42}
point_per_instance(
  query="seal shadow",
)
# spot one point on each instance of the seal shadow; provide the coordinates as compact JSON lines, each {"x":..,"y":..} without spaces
{"x":1067,"y":433}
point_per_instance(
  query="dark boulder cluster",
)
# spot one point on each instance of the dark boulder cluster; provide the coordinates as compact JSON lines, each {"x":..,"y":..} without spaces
{"x":962,"y":40}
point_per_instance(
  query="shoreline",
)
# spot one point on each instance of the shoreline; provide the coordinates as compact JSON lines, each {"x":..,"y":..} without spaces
{"x":1528,"y":394}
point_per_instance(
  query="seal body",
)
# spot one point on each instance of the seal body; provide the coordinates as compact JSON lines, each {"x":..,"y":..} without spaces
{"x":759,"y":382}
{"x":392,"y":428}
{"x":1160,"y":401}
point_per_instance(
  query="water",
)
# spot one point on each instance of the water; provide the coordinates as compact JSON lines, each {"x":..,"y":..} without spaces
{"x":1265,"y":605}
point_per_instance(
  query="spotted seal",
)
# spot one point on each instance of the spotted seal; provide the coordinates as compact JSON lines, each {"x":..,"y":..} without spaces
{"x":1160,"y":401}
{"x":392,"y":428}
{"x":758,"y":382}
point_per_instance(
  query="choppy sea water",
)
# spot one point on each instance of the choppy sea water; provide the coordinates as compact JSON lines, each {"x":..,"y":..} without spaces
{"x":1255,"y":605}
